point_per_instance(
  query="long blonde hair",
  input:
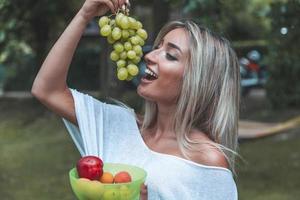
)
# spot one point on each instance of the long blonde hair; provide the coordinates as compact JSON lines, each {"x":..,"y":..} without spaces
{"x":209,"y":97}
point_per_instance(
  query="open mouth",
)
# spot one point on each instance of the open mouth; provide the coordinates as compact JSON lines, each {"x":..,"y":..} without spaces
{"x":150,"y":75}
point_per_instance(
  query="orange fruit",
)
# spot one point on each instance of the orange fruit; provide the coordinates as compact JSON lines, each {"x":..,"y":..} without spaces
{"x":122,"y":177}
{"x":107,"y":177}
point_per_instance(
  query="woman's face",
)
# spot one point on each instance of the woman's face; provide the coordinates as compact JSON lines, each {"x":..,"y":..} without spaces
{"x":167,"y":61}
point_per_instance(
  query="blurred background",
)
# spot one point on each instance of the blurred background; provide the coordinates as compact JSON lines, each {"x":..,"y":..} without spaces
{"x":36,"y":151}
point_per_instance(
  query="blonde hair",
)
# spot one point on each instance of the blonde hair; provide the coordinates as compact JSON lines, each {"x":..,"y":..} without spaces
{"x":209,"y":97}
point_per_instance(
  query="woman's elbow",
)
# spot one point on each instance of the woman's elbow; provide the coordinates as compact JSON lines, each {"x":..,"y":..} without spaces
{"x":37,"y":91}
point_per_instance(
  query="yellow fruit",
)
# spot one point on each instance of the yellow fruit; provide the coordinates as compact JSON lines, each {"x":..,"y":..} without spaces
{"x":89,"y":189}
{"x":107,"y":177}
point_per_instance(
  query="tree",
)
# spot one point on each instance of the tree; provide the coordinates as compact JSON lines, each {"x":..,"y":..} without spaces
{"x":238,"y":20}
{"x":27,"y":29}
{"x":283,"y":88}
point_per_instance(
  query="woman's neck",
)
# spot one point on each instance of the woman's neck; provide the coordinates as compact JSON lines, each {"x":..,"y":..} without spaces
{"x":164,"y":123}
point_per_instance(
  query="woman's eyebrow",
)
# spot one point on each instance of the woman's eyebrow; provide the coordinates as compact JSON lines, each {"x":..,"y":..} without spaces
{"x":172,"y":45}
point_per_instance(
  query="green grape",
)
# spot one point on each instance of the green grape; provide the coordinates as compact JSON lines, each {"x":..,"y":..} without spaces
{"x":121,"y":63}
{"x":127,"y":46}
{"x":135,"y":40}
{"x":138,"y":49}
{"x":131,"y":32}
{"x":131,"y":54}
{"x":140,"y":40}
{"x":123,"y":55}
{"x":125,"y":34}
{"x":139,"y":25}
{"x":136,"y":60}
{"x":103,"y":21}
{"x":122,"y":73}
{"x":130,"y":62}
{"x":116,"y":33}
{"x":114,"y":56}
{"x":129,"y":77}
{"x":118,"y":47}
{"x":140,"y":54}
{"x":112,"y":22}
{"x":124,"y":23}
{"x":132,"y":22}
{"x":118,"y":18}
{"x":105,"y":30}
{"x":142,"y":33}
{"x":132,"y":69}
{"x":110,"y":40}
{"x":110,"y":194}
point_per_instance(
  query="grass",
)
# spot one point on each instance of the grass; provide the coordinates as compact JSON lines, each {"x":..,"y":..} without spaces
{"x":271,"y":170}
{"x":36,"y":154}
{"x":35,"y":151}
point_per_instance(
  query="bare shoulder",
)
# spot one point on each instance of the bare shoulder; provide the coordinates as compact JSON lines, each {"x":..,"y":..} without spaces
{"x":207,"y":153}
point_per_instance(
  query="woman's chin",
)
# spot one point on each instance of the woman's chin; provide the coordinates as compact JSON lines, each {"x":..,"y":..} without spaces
{"x":142,"y":93}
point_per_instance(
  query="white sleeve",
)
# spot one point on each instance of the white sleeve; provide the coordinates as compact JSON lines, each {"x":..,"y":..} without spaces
{"x":221,"y":186}
{"x":88,"y":136}
{"x":98,"y":123}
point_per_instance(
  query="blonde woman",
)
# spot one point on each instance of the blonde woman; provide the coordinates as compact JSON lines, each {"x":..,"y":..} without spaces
{"x":187,"y":138}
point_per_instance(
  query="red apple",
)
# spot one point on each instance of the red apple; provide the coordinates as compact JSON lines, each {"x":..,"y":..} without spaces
{"x":90,"y":167}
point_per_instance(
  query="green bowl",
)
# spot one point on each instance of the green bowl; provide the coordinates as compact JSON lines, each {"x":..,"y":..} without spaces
{"x":85,"y":189}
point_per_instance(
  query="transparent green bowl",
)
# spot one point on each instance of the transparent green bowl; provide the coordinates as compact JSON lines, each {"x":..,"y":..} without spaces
{"x":94,"y":190}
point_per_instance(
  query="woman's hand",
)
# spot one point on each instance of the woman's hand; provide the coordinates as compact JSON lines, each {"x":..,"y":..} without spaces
{"x":144,"y":192}
{"x":93,"y":8}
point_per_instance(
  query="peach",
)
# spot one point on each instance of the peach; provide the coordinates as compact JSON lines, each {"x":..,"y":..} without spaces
{"x":107,"y":178}
{"x":122,"y":177}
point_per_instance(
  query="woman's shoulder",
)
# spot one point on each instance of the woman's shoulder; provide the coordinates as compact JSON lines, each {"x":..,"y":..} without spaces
{"x":207,"y":153}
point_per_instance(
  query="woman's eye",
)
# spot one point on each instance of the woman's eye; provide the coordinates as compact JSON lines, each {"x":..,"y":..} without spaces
{"x":170,"y":57}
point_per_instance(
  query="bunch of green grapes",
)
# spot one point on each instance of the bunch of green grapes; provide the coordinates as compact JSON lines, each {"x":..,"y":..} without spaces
{"x":127,"y":37}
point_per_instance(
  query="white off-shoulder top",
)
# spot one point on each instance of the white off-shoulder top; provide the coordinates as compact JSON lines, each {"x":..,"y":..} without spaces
{"x":111,"y":132}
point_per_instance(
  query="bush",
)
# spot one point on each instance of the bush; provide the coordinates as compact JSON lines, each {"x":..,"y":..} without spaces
{"x":83,"y":75}
{"x":283,"y":88}
{"x":84,"y":71}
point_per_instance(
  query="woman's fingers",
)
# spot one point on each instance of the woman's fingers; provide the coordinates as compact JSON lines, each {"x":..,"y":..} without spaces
{"x":144,"y":192}
{"x":114,"y":5}
{"x":127,"y":3}
{"x":109,"y":4}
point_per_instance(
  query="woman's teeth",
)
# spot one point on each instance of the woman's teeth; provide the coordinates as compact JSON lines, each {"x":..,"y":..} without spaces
{"x":149,"y":72}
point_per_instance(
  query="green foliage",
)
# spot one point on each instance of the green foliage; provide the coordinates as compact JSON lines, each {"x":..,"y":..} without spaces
{"x":283,"y":87}
{"x":238,"y":20}
{"x":84,"y":70}
{"x":19,"y":73}
{"x":27,"y":28}
{"x":83,"y":75}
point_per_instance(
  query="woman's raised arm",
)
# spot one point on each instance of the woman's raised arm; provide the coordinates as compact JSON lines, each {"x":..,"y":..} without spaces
{"x":50,"y":86}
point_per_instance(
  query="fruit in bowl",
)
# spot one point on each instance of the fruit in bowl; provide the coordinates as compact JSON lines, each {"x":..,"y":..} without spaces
{"x":120,"y":182}
{"x":90,"y":167}
{"x":122,"y":177}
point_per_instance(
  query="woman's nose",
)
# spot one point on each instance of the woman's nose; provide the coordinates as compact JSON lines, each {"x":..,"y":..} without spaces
{"x":150,"y":57}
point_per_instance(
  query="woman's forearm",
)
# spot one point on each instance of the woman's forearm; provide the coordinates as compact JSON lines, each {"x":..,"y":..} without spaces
{"x":53,"y":73}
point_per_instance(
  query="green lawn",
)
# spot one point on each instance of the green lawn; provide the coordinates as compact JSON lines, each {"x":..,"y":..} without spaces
{"x":36,"y":153}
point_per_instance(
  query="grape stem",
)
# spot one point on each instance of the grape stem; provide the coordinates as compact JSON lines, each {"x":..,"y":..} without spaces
{"x":112,"y":15}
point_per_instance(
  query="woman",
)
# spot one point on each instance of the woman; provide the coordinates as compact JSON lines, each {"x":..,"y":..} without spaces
{"x":187,"y":138}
